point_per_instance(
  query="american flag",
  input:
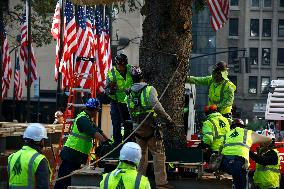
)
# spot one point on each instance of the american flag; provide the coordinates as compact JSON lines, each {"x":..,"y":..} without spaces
{"x":103,"y":53}
{"x":219,"y":13}
{"x":55,"y":31}
{"x":24,"y":50}
{"x":6,"y":63}
{"x":18,"y":89}
{"x":85,"y":48}
{"x":70,"y":44}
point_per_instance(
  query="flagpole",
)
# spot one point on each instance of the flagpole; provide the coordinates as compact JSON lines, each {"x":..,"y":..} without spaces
{"x":59,"y":78}
{"x":29,"y":63}
{"x":14,"y":91}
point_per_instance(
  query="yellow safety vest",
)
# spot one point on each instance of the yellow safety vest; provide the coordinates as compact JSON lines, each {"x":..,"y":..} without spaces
{"x":267,"y":176}
{"x":122,"y":85}
{"x":237,"y":143}
{"x":22,"y":166}
{"x":125,"y":176}
{"x":215,"y":128}
{"x":79,"y":141}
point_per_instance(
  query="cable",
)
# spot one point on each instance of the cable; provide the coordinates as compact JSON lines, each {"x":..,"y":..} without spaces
{"x":163,"y":93}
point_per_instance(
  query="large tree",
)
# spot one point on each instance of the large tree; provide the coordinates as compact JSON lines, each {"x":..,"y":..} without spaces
{"x":164,"y":50}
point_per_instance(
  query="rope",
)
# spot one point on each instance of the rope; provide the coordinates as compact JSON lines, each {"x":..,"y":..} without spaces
{"x":88,"y":166}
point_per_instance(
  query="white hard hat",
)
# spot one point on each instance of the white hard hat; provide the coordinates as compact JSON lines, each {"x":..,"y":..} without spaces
{"x":35,"y":131}
{"x":131,"y":151}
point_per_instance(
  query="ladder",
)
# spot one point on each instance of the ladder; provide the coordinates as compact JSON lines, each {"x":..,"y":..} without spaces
{"x":73,"y":104}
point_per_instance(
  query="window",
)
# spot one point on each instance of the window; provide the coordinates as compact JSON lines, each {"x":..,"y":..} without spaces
{"x":265,"y":81}
{"x":281,"y":28}
{"x":266,"y":28}
{"x":265,"y":56}
{"x":281,"y":3}
{"x":233,"y":26}
{"x":255,"y":3}
{"x":267,"y":3}
{"x":232,"y":55}
{"x":254,"y":27}
{"x":252,"y":85}
{"x":280,"y":57}
{"x":234,"y":3}
{"x":234,"y":79}
{"x":253,"y":55}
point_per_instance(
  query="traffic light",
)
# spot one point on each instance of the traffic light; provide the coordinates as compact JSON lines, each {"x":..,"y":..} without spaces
{"x":237,"y":66}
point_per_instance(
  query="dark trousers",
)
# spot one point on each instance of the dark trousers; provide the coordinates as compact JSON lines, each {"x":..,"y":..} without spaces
{"x":65,"y":168}
{"x":233,"y":165}
{"x":119,"y":113}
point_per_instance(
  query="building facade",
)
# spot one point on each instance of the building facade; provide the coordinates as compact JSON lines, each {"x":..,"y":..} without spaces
{"x":258,"y":27}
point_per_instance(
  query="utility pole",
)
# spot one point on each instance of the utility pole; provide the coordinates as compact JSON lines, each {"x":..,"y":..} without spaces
{"x":59,"y":77}
{"x":29,"y":63}
{"x":1,"y":55}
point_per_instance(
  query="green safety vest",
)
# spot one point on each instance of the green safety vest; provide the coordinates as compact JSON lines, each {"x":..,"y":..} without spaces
{"x":267,"y":176}
{"x":144,"y":106}
{"x":220,"y":126}
{"x":122,"y":85}
{"x":22,"y":166}
{"x":79,"y":141}
{"x":124,"y":177}
{"x":216,"y":95}
{"x":237,"y":143}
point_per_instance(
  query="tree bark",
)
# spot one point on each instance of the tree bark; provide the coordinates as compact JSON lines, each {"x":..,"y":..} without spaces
{"x":165,"y":47}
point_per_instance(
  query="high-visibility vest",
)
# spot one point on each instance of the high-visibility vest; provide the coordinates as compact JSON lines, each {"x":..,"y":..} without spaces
{"x":139,"y":102}
{"x":237,"y":143}
{"x":77,"y":140}
{"x":122,"y":84}
{"x":216,"y":94}
{"x":267,"y":176}
{"x":220,"y":126}
{"x":124,"y":177}
{"x":22,"y":166}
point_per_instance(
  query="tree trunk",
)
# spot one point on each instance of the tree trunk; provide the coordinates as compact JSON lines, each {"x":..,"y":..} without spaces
{"x":165,"y":47}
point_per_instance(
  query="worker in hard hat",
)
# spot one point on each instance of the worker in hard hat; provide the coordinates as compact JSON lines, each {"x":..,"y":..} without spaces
{"x":79,"y":143}
{"x":141,"y":101}
{"x":236,"y":146}
{"x":221,"y":89}
{"x":267,"y":172}
{"x":126,"y":175}
{"x":214,"y":129}
{"x":28,"y":167}
{"x":117,"y":84}
{"x":58,"y":117}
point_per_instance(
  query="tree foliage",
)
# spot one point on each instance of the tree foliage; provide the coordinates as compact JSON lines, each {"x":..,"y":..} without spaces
{"x":41,"y":19}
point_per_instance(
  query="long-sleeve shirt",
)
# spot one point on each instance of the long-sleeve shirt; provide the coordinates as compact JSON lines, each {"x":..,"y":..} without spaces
{"x":269,"y":158}
{"x":228,"y":91}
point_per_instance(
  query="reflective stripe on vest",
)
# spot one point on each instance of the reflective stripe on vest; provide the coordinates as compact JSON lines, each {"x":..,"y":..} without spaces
{"x":239,"y":143}
{"x":215,"y":129}
{"x":137,"y":181}
{"x":85,"y":138}
{"x":30,"y":174}
{"x":221,"y":92}
{"x":268,"y":169}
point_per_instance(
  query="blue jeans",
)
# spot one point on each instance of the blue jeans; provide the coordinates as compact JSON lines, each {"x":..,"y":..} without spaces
{"x":233,"y":165}
{"x":119,"y":113}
